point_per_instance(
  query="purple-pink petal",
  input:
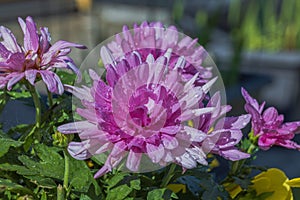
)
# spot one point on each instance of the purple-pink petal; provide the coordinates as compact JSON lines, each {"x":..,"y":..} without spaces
{"x":49,"y":80}
{"x":268,"y":125}
{"x":133,"y":161}
{"x":14,"y":79}
{"x":74,"y":127}
{"x":31,"y":38}
{"x":9,"y":40}
{"x":4,"y":52}
{"x":234,"y":154}
{"x":45,"y":39}
{"x":79,"y":150}
{"x":30,"y":75}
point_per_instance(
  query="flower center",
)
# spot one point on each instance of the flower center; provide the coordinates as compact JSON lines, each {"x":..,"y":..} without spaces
{"x":32,"y":61}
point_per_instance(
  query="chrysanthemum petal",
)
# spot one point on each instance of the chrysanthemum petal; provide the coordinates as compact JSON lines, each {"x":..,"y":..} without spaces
{"x":74,"y":127}
{"x":9,"y":40}
{"x":31,"y":75}
{"x":155,"y":153}
{"x":14,"y":79}
{"x":31,"y":38}
{"x":78,"y":150}
{"x":234,"y":154}
{"x":133,"y":161}
{"x":49,"y":80}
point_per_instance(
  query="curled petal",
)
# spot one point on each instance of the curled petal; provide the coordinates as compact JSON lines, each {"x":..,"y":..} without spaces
{"x":79,"y":150}
{"x":75,"y":127}
{"x":49,"y":80}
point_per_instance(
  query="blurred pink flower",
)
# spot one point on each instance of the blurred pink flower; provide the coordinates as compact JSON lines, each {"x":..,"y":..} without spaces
{"x":158,"y":40}
{"x":143,"y":109}
{"x":268,"y":125}
{"x":36,"y":58}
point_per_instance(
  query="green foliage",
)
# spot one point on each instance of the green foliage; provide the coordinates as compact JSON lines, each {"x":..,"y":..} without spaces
{"x":45,"y":169}
{"x":22,"y":93}
{"x":265,"y":27}
{"x":161,"y":194}
{"x":251,"y":195}
{"x":3,"y":99}
{"x":6,"y":143}
{"x":66,"y":77}
{"x":122,"y":186}
{"x":178,"y":10}
{"x":8,"y":185}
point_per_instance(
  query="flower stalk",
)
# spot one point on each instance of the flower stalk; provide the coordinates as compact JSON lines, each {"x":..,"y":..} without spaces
{"x":168,"y":176}
{"x":60,"y":193}
{"x":50,"y":99}
{"x":37,"y":104}
{"x":67,"y":168}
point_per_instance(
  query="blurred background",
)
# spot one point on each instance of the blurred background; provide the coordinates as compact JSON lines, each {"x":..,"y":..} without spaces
{"x":254,"y":43}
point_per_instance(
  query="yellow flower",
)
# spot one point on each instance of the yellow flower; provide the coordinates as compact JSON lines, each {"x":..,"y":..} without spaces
{"x":274,"y":180}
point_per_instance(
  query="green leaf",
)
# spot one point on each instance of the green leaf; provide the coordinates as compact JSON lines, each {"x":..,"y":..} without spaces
{"x":26,"y":131}
{"x":212,"y":190}
{"x":42,"y":182}
{"x":63,"y":117}
{"x":6,"y":143}
{"x":120,"y":185}
{"x":119,"y":193}
{"x":116,"y":179}
{"x":100,"y":158}
{"x":84,"y":197}
{"x":3,"y":99}
{"x":212,"y":193}
{"x":48,"y":164}
{"x":8,"y":185}
{"x":80,"y":176}
{"x":244,"y":183}
{"x":66,"y":77}
{"x":44,"y":195}
{"x":19,"y":94}
{"x":20,"y":129}
{"x":135,"y":184}
{"x":156,"y":194}
{"x":161,"y":194}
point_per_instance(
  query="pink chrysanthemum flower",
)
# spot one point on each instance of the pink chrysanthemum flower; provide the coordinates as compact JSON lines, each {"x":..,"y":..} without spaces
{"x":268,"y":125}
{"x":143,"y":109}
{"x":154,"y":38}
{"x":36,"y":58}
{"x":222,"y":135}
{"x":224,"y":132}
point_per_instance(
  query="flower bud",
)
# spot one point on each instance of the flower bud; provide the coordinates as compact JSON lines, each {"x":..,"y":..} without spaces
{"x":60,"y":139}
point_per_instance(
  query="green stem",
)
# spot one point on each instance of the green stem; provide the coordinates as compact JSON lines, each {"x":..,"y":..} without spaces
{"x":60,"y":193}
{"x":237,"y":165}
{"x":251,"y":149}
{"x":168,"y":176}
{"x":37,"y":104}
{"x":67,"y":167}
{"x":50,"y":99}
